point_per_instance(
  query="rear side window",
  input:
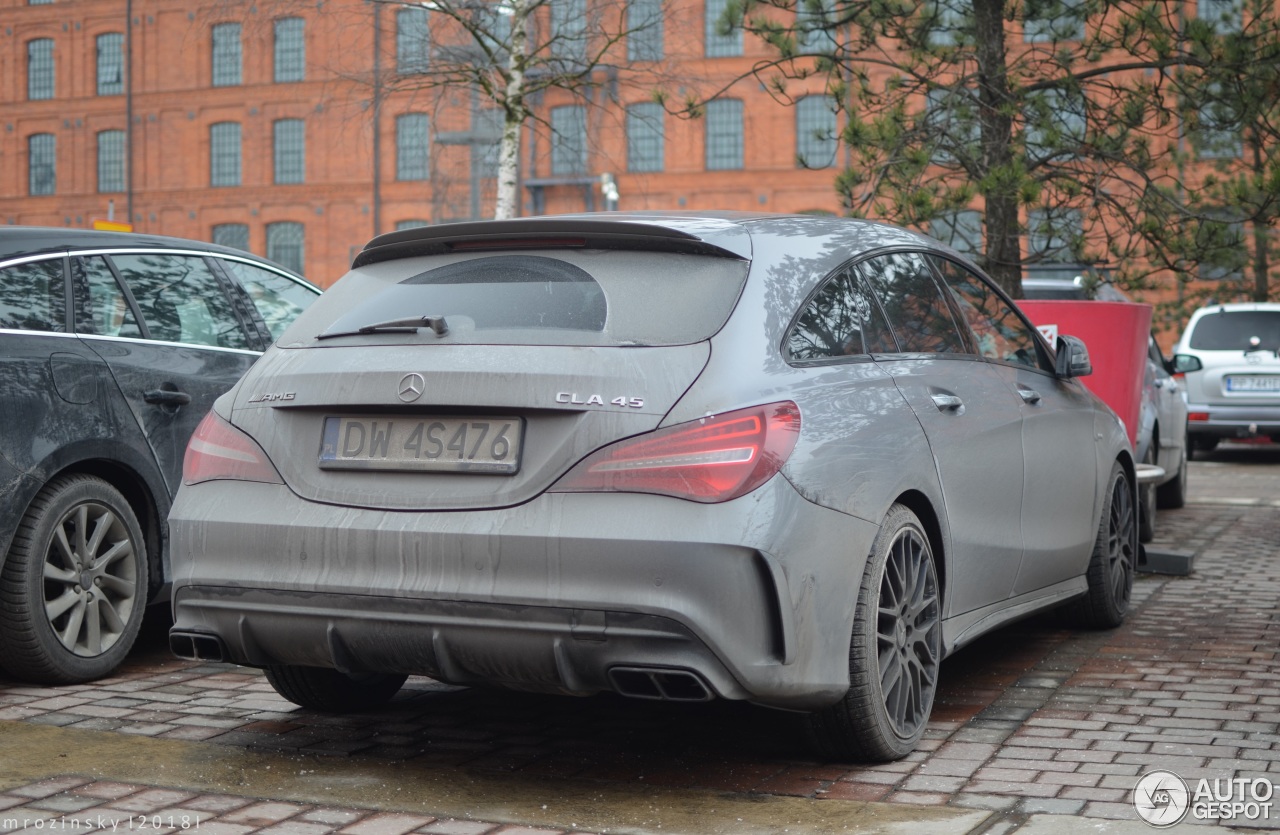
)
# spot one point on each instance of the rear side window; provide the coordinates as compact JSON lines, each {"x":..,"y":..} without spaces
{"x":918,"y":313}
{"x":840,"y":320}
{"x":181,"y":300}
{"x":575,"y":297}
{"x":278,"y":299}
{"x":33,"y":297}
{"x":1231,"y":330}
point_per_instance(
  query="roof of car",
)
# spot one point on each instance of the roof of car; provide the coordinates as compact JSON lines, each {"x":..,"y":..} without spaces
{"x":726,"y":234}
{"x":17,"y":241}
{"x":1234,"y":307}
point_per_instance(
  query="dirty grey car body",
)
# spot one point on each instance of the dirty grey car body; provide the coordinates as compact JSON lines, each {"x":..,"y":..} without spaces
{"x":967,"y":461}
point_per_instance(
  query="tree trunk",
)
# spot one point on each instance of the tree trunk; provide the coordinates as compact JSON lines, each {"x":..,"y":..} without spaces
{"x":514,"y":115}
{"x":1002,"y":256}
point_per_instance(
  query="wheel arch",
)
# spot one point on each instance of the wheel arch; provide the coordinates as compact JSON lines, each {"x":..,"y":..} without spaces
{"x":919,"y":504}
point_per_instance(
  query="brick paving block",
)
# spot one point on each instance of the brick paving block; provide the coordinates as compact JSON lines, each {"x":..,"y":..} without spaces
{"x":106,"y":789}
{"x":49,"y":787}
{"x":336,"y":817}
{"x":1016,"y":788}
{"x":1090,"y":756}
{"x":1093,"y":793}
{"x":459,"y":827}
{"x":926,"y":783}
{"x":842,"y":790}
{"x":919,"y":798}
{"x":297,"y":827}
{"x":387,"y":823}
{"x":1111,"y":811}
{"x":64,"y":803}
{"x":967,"y":751}
{"x":1050,"y":806}
{"x":526,"y":830}
{"x":192,"y":733}
{"x":1055,"y":778}
{"x":22,"y":818}
{"x":993,"y":802}
{"x":884,"y":778}
{"x":949,"y":768}
{"x":153,"y":800}
{"x":791,"y":785}
{"x":263,"y":813}
{"x":8,"y":801}
{"x":1012,"y":775}
{"x":218,"y":827}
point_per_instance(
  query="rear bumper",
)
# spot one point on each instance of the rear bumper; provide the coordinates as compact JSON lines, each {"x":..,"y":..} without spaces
{"x":1234,"y":421}
{"x":754,"y":597}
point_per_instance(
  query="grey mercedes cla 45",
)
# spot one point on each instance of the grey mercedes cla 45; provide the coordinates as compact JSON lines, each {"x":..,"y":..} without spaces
{"x":792,"y":460}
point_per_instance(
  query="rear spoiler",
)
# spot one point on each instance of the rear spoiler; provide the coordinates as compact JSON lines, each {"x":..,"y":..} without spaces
{"x":693,"y":236}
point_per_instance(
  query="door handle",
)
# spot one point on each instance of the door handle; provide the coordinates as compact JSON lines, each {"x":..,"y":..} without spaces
{"x":166,"y":397}
{"x":1029,"y":395}
{"x":947,"y":402}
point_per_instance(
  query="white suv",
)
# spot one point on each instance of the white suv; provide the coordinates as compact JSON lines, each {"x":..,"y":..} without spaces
{"x":1230,"y":355}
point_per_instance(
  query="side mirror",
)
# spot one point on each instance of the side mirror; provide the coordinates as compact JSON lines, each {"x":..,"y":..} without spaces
{"x":1073,"y":358}
{"x":1182,"y":363}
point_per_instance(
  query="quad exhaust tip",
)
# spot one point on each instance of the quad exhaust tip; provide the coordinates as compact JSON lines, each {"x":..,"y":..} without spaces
{"x":671,"y":685}
{"x":197,"y":646}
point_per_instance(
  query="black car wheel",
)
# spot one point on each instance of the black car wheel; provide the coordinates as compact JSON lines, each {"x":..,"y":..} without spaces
{"x":74,"y":584}
{"x":894,"y":653}
{"x":1173,"y":493}
{"x":332,"y":691}
{"x":1110,"y":572}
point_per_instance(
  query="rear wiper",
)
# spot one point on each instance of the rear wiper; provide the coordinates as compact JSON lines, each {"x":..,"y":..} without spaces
{"x":411,"y":325}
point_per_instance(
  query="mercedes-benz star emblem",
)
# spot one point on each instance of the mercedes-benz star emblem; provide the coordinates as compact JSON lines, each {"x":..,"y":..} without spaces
{"x":411,"y":387}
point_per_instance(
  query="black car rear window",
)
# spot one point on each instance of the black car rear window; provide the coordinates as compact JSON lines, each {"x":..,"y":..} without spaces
{"x":577,"y":297}
{"x":1231,"y":330}
{"x":33,"y":297}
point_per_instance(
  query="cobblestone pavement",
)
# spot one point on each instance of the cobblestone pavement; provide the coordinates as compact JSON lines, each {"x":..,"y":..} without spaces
{"x":1032,"y":721}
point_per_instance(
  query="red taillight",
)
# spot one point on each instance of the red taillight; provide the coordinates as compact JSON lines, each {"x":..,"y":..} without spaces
{"x":1197,"y":417}
{"x":712,"y":459}
{"x":217,"y":450}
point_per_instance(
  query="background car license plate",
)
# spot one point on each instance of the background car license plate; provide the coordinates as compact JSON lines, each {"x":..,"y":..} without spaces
{"x":486,"y":445}
{"x":1254,"y":383}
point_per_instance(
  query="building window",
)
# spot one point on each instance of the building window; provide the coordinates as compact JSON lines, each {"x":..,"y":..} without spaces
{"x":410,"y":224}
{"x":645,"y":137}
{"x":816,"y":132}
{"x":1215,"y":130}
{"x":815,"y":27}
{"x":234,"y":235}
{"x":951,"y":118}
{"x":569,"y":32}
{"x":569,"y":140}
{"x":720,"y":45}
{"x":413,"y":148}
{"x":110,"y":64}
{"x":962,"y":231}
{"x":1056,"y":124}
{"x":42,"y":152}
{"x":724,"y":135}
{"x":224,"y":154}
{"x":413,"y":41}
{"x":489,"y":123}
{"x":1054,"y":236}
{"x":226,"y":55}
{"x":644,"y":30}
{"x":40,"y":69}
{"x":39,"y":2}
{"x":291,"y":50}
{"x":1053,"y":20}
{"x":285,"y":244}
{"x":948,"y":23}
{"x":110,"y":161}
{"x":290,"y":151}
{"x":1222,"y":242}
{"x":1225,"y":16}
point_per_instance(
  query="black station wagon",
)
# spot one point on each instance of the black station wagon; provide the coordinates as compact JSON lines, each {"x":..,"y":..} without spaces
{"x":112,"y":348}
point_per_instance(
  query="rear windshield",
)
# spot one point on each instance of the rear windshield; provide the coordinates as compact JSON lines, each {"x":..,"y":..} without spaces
{"x":1232,"y":330}
{"x":577,"y":297}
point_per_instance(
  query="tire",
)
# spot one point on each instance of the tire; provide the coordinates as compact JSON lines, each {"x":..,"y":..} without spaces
{"x":1147,"y":500}
{"x":1115,"y":554}
{"x":897,"y":640}
{"x":1173,"y":493}
{"x":331,"y":691}
{"x":74,"y":585}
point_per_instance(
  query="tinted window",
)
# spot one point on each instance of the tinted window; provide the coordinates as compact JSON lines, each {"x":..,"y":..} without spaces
{"x":839,"y":321}
{"x":573,"y":297}
{"x":278,"y":299}
{"x":33,"y":297}
{"x":105,"y":311}
{"x":1231,"y":331}
{"x":181,"y":300}
{"x":998,"y":332}
{"x":910,"y":297}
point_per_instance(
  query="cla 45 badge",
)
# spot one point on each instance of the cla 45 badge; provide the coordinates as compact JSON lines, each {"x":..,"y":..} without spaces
{"x":575,"y":399}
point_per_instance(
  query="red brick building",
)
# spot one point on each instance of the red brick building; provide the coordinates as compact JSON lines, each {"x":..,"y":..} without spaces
{"x":292,"y":128}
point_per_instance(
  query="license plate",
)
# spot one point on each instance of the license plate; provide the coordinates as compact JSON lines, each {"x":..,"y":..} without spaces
{"x":1259,"y":383}
{"x":485,"y":445}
